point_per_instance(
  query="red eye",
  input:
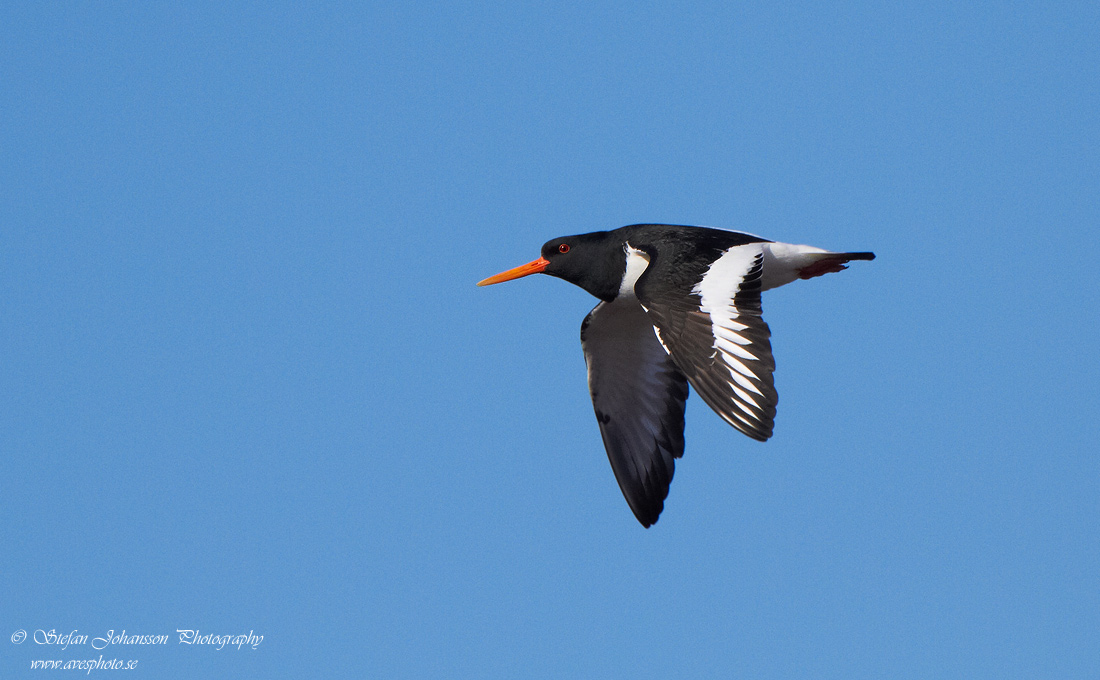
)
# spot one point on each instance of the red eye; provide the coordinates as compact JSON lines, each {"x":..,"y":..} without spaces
{"x":563,"y":248}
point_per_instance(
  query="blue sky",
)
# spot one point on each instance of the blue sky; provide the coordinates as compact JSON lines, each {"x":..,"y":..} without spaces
{"x":249,"y":385}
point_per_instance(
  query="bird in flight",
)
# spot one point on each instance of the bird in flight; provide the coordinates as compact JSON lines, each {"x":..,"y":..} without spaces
{"x":678,"y":306}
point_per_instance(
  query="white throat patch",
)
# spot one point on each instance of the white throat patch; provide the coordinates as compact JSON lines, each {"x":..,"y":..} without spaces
{"x":636,"y":263}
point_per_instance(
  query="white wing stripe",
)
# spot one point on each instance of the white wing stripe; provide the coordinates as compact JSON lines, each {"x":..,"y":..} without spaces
{"x":734,"y":363}
{"x":740,"y":380}
{"x":730,"y":334}
{"x":734,"y":414}
{"x":744,"y":397}
{"x":721,"y":283}
{"x":730,"y":348}
{"x":730,"y":324}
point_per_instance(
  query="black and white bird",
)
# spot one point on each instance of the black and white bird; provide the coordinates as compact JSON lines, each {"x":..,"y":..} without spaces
{"x":678,"y":305}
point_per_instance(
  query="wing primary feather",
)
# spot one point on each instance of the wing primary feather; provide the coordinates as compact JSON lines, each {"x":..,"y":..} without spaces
{"x":639,"y":396}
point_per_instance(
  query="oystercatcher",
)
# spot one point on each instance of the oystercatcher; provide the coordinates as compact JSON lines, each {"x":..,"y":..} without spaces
{"x":678,"y":305}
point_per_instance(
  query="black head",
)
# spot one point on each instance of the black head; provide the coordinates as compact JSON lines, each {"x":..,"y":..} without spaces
{"x":595,"y":262}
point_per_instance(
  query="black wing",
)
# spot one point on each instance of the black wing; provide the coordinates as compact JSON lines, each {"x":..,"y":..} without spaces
{"x":639,"y":397}
{"x":712,"y":327}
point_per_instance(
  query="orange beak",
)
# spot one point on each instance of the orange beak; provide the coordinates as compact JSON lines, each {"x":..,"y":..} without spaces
{"x":520,"y":271}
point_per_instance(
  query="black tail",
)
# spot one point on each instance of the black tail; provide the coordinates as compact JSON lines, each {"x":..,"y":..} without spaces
{"x":830,"y":263}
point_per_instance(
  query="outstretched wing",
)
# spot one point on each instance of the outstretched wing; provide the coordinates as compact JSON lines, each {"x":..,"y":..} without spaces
{"x":639,"y":397}
{"x":717,"y":337}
